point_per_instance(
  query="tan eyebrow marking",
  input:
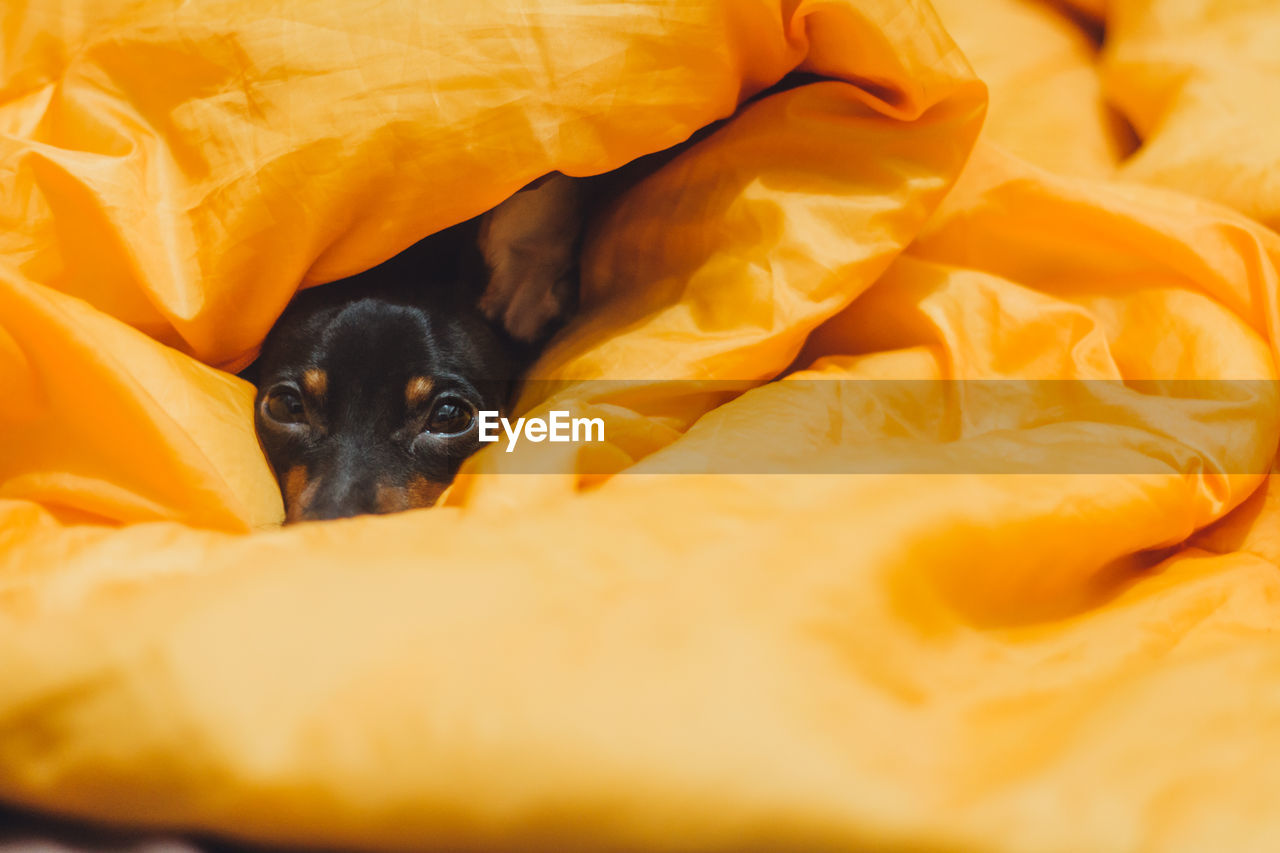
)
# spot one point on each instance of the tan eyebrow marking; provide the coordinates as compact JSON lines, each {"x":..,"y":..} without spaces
{"x":418,"y":391}
{"x":315,"y":382}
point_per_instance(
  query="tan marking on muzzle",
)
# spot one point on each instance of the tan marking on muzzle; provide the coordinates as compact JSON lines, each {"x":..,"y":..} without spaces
{"x":295,"y":487}
{"x":298,"y":490}
{"x":390,"y":498}
{"x":419,"y":492}
{"x":424,"y":492}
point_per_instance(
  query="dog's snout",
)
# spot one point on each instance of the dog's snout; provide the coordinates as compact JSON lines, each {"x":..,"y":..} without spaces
{"x":344,"y":491}
{"x":340,"y":486}
{"x":340,"y":494}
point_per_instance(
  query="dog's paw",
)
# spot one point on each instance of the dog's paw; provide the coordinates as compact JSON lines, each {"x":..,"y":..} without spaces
{"x":530,"y":248}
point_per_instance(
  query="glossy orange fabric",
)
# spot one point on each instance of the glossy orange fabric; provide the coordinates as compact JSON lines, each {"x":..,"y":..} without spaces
{"x":933,"y":655}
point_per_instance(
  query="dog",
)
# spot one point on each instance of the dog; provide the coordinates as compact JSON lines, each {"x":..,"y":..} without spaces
{"x":369,"y":387}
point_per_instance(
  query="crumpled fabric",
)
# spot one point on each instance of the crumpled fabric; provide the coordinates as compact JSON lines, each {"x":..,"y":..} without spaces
{"x":1040,"y":624}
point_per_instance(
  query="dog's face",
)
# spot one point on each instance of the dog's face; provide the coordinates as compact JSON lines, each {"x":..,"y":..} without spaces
{"x":369,"y":388}
{"x":369,"y":405}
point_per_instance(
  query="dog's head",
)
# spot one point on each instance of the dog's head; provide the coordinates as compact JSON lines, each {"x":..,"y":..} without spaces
{"x":369,"y":388}
{"x":368,"y":404}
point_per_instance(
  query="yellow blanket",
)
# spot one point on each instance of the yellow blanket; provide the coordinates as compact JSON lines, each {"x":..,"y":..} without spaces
{"x":1040,"y":618}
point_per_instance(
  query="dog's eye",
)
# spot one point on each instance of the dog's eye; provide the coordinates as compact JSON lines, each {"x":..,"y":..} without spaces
{"x":450,"y":416}
{"x":284,"y":405}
